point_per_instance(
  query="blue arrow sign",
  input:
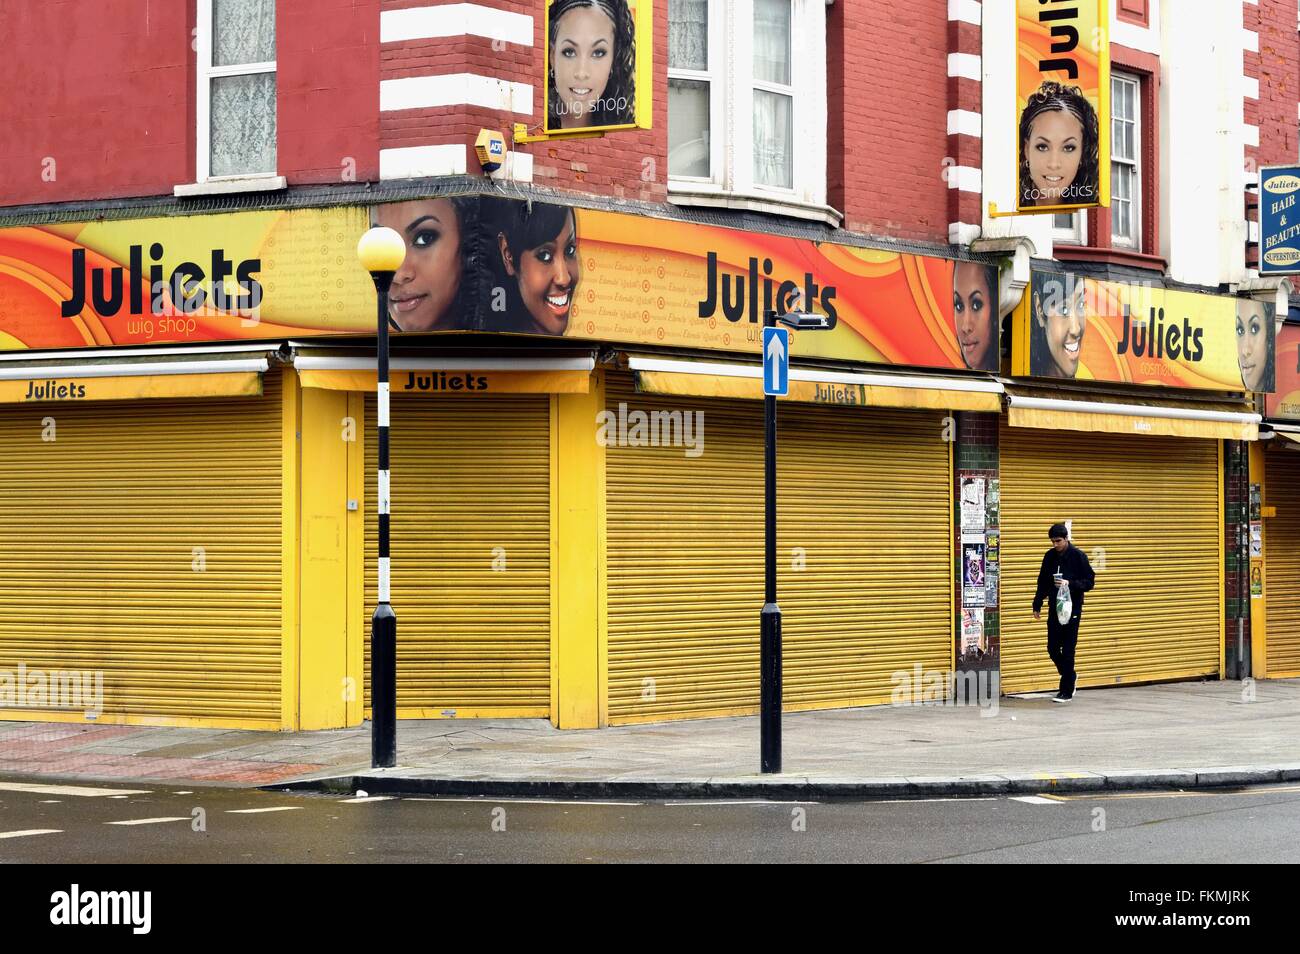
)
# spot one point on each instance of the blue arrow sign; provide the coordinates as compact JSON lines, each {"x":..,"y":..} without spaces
{"x":776,"y":361}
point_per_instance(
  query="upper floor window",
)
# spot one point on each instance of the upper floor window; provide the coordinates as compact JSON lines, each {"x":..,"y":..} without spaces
{"x":747,"y":100}
{"x":1125,"y":161}
{"x":236,"y":89}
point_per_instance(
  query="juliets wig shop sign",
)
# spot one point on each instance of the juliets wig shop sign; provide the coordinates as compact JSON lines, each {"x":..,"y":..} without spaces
{"x":1068,"y":326}
{"x":488,"y":264}
{"x":1285,"y":401}
{"x":1062,"y":105}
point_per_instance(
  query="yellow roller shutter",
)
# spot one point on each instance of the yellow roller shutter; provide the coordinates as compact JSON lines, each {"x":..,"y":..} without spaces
{"x":471,"y":553}
{"x":1282,"y":563}
{"x":144,"y":541}
{"x":1148,"y":513}
{"x":864,"y":551}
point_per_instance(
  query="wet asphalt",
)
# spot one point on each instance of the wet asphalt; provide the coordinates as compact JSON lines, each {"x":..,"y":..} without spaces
{"x":170,"y":824}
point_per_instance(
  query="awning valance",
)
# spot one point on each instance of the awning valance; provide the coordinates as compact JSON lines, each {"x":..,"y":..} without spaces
{"x":452,"y":375}
{"x":816,"y":386}
{"x":1172,"y":418}
{"x":64,"y":380}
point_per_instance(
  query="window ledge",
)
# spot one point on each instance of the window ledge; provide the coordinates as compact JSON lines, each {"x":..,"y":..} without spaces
{"x":770,"y":205}
{"x":1109,"y":256}
{"x":231,"y":185}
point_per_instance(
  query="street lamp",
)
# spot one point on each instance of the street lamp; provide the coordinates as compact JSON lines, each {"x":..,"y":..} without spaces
{"x":769,"y":646}
{"x":381,"y":251}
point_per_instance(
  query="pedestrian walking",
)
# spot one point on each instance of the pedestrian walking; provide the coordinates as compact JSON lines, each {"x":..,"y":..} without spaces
{"x":1065,"y":574}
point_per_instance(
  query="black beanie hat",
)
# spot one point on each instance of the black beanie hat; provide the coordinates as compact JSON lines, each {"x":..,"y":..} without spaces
{"x":1058,"y":530}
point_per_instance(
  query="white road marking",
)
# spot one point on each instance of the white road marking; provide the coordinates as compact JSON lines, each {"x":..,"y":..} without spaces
{"x":920,"y":801}
{"x":51,"y":801}
{"x":79,"y":790}
{"x":1035,"y":800}
{"x":182,"y":793}
{"x":739,"y":801}
{"x":149,"y":821}
{"x":31,"y":831}
{"x":258,"y":811}
{"x":368,"y":798}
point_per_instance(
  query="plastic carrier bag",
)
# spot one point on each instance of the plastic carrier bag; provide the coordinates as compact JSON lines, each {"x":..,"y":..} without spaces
{"x":1064,"y":605}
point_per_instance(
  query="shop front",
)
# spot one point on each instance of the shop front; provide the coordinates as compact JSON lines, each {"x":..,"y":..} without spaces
{"x":1276,"y":583}
{"x":1118,"y":439}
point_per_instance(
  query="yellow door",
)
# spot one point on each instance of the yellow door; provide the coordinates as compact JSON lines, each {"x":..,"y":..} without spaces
{"x":470,"y":553}
{"x":1148,"y":514}
{"x":1282,"y":563}
{"x":864,"y":556}
{"x":141,"y":541}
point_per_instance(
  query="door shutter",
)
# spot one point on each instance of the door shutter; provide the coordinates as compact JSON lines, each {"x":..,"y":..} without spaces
{"x":864,"y":557}
{"x":1282,"y":564}
{"x":1147,"y":512}
{"x":143,"y":541}
{"x":470,"y":548}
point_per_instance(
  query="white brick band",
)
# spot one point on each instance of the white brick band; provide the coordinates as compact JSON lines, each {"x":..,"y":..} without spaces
{"x":455,"y":89}
{"x":417,"y":162}
{"x":455,"y":19}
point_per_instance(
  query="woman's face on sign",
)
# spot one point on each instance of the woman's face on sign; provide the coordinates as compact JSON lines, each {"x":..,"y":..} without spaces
{"x":1053,"y":150}
{"x":1061,"y":316}
{"x":548,"y":278}
{"x":1252,"y":344}
{"x":974,"y":317}
{"x":581,"y":60}
{"x":425,"y":285}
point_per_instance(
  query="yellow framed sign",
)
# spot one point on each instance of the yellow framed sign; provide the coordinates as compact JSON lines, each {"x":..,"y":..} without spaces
{"x":1062,"y":105}
{"x":598,"y":64}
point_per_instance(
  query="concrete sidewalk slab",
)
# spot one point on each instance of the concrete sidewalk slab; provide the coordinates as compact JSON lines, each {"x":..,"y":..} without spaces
{"x":1178,"y":735}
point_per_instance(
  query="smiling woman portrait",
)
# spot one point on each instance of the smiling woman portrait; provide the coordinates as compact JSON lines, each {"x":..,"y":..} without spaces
{"x":432,"y":290}
{"x":592,"y":56}
{"x":533,"y":250}
{"x":1059,"y":148}
{"x":1057,"y":325}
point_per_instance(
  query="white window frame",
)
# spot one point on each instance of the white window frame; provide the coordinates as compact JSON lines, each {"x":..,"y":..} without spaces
{"x":206,"y":73}
{"x":1133,"y":241}
{"x":1076,"y":234}
{"x":715,"y":76}
{"x":731,"y":116}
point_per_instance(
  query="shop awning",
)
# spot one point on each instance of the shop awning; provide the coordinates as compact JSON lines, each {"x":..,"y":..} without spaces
{"x":1166,"y":418}
{"x":94,"y":376}
{"x":812,"y":385}
{"x":450,"y":375}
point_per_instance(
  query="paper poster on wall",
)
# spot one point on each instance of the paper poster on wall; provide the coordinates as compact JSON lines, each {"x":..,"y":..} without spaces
{"x":972,"y":574}
{"x":992,"y":502}
{"x":972,"y":631}
{"x":972,"y":503}
{"x":1256,"y":579}
{"x":1256,"y":539}
{"x":991,"y":573}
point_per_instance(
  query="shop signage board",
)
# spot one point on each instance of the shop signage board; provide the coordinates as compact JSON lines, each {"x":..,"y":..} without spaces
{"x":1071,"y":327}
{"x":489,"y":264}
{"x":598,"y":65}
{"x":1284,"y":403}
{"x":1062,"y":105}
{"x":1279,"y":220}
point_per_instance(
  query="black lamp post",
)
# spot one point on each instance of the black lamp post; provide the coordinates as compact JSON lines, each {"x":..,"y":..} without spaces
{"x":769,"y":651}
{"x":382,"y":251}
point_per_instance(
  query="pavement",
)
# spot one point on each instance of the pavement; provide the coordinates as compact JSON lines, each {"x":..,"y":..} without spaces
{"x":1172,"y":736}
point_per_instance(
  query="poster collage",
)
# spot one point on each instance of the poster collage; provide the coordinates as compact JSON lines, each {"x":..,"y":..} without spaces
{"x":980,"y":562}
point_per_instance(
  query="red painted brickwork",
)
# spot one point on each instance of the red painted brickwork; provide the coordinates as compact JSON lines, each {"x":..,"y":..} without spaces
{"x":888,"y":117}
{"x":1278,"y":69}
{"x":99,"y":96}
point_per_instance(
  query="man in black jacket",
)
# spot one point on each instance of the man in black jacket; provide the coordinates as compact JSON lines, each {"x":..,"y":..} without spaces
{"x":1063,"y":565}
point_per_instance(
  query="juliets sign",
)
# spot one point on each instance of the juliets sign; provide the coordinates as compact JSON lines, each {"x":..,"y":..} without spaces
{"x":1072,"y":327}
{"x":1063,"y":105}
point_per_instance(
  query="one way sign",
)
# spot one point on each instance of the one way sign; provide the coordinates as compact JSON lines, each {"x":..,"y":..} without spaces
{"x":776,"y":361}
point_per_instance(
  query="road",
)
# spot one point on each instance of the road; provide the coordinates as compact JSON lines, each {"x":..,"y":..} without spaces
{"x":42,"y":821}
